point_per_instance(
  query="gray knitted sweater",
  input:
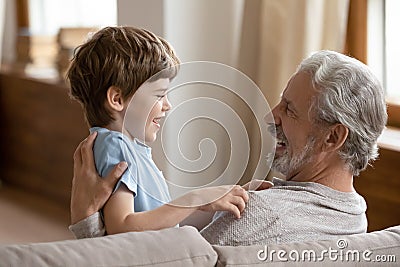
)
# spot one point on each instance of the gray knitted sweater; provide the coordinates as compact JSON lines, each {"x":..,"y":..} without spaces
{"x":290,"y":212}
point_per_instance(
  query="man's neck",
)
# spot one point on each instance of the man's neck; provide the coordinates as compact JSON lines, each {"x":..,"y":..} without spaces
{"x":334,"y":175}
{"x":339,"y":180}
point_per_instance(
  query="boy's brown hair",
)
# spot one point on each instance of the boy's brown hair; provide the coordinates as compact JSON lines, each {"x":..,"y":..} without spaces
{"x":120,"y":56}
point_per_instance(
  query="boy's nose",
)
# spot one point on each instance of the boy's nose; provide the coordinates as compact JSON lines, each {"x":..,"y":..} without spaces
{"x":166,"y":104}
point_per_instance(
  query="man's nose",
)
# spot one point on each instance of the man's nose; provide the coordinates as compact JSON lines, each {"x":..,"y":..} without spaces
{"x":273,"y":116}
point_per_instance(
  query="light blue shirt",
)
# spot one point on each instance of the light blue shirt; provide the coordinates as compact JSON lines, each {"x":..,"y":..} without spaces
{"x":142,"y":177}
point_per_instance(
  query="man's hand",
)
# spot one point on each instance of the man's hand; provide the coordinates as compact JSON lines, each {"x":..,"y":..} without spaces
{"x":89,"y":191}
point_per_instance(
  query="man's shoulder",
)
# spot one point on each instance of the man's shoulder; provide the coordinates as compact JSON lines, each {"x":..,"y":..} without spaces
{"x":311,"y":196}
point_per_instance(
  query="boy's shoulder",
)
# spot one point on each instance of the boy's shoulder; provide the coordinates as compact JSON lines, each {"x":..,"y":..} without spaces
{"x":106,"y":136}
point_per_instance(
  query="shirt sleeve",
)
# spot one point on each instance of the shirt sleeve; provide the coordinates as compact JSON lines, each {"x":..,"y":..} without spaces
{"x":111,"y":149}
{"x":91,"y":226}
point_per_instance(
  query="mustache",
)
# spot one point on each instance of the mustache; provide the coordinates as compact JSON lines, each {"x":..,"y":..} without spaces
{"x":276,"y":131}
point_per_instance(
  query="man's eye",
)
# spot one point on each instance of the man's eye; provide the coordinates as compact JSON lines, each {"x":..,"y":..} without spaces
{"x":289,"y":112}
{"x":160,"y":96}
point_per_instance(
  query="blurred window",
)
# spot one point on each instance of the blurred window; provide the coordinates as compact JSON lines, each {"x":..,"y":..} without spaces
{"x":46,"y":17}
{"x":384,"y":43}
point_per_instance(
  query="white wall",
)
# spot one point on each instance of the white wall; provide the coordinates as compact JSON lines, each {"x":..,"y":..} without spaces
{"x":205,"y":29}
{"x":197,"y":29}
{"x":148,"y":14}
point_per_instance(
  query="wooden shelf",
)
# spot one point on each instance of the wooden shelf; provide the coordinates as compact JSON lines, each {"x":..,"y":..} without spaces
{"x":40,"y":129}
{"x":380,"y":183}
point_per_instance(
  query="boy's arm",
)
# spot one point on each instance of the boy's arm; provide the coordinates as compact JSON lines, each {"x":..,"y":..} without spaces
{"x":119,"y":216}
{"x":90,"y":191}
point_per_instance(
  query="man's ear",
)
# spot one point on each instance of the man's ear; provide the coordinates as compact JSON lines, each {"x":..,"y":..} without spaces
{"x":114,"y":98}
{"x":336,"y":137}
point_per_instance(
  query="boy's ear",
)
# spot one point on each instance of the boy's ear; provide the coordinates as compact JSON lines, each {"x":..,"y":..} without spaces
{"x":336,"y":137}
{"x":114,"y":98}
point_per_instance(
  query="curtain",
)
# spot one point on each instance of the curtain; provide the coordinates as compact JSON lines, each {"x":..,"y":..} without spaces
{"x":2,"y":22}
{"x":278,"y":34}
{"x":8,"y":30}
{"x":356,"y":38}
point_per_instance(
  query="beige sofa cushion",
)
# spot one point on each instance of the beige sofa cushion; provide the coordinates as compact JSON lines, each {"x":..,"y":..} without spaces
{"x":170,"y":247}
{"x":380,"y":247}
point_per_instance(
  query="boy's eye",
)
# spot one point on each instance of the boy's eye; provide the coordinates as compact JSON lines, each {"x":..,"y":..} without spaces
{"x":161,"y":96}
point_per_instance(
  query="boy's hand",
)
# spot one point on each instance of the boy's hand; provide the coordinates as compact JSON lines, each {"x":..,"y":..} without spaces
{"x":231,"y":198}
{"x":89,"y":191}
{"x":257,"y":185}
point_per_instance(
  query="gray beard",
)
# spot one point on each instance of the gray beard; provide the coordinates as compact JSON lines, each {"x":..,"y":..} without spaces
{"x":286,"y":164}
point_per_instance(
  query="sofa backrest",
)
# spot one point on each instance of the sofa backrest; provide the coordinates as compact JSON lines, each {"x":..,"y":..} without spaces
{"x":170,"y":247}
{"x":184,"y":246}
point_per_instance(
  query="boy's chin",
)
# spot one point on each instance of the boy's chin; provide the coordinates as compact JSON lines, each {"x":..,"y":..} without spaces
{"x":151,"y":138}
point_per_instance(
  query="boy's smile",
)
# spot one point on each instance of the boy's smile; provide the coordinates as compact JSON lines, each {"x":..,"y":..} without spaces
{"x":156,"y":121}
{"x":146,"y":108}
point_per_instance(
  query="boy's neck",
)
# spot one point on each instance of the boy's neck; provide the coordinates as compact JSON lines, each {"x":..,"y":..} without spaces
{"x":114,"y":126}
{"x":118,"y":127}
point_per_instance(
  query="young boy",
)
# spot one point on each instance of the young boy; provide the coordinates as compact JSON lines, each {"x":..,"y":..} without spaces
{"x":121,"y":74}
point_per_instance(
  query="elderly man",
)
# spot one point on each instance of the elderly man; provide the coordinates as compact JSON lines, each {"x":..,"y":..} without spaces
{"x":327,"y":125}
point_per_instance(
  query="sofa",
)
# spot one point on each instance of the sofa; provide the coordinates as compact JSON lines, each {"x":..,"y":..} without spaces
{"x":184,"y":246}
